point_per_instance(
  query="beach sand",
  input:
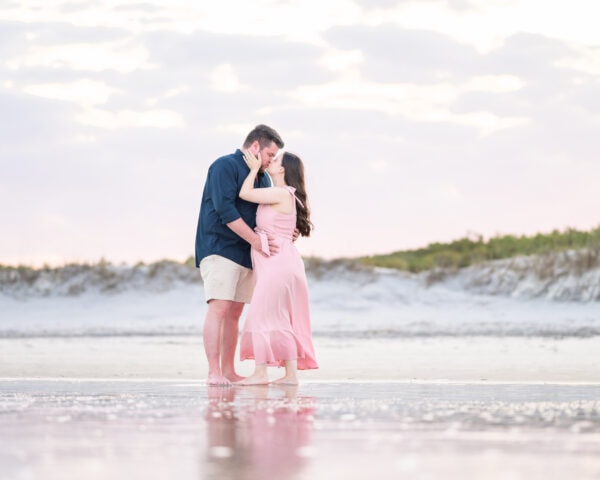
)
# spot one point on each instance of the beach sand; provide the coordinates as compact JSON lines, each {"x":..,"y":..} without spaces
{"x":455,"y":359}
{"x":421,"y":408}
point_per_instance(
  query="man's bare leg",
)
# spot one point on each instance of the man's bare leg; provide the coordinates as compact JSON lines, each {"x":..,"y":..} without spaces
{"x":230,"y":339}
{"x":212,"y":337}
{"x":259,"y":377}
{"x":291,"y":373}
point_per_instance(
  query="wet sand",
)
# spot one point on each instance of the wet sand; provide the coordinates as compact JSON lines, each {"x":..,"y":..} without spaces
{"x":153,"y":429}
{"x":435,"y":359}
{"x":421,"y":408}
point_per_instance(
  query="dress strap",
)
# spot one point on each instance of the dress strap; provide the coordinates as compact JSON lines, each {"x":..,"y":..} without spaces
{"x":292,"y":190}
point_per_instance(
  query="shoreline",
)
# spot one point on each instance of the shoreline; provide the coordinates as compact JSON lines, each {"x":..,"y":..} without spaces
{"x":202,"y":383}
{"x":480,"y":360}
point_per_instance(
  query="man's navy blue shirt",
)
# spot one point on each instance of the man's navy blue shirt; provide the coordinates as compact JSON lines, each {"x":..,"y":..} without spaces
{"x":222,"y":205}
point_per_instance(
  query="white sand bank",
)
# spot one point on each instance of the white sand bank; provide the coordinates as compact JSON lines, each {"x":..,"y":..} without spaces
{"x":438,"y":359}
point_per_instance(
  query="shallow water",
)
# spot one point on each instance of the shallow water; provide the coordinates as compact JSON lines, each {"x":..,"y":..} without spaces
{"x":98,"y":429}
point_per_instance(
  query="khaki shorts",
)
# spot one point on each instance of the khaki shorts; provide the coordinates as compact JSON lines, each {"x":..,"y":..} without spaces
{"x":226,"y":280}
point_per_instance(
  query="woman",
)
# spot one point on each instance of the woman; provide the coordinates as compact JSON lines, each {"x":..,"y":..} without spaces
{"x":277,"y":329}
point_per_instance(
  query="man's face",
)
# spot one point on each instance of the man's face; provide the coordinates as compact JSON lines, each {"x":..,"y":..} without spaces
{"x":267,"y":154}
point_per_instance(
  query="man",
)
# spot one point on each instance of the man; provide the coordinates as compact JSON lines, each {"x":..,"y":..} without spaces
{"x":224,"y":237}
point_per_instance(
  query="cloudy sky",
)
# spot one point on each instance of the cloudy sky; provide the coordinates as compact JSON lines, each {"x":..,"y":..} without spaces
{"x":418,"y":121}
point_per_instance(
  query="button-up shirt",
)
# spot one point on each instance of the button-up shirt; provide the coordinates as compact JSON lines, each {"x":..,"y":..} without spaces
{"x":222,"y":205}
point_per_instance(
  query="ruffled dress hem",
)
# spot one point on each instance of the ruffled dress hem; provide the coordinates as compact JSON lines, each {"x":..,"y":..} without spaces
{"x":276,"y":348}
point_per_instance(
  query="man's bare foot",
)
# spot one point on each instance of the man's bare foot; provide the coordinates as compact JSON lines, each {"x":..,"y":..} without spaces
{"x":254,"y":380}
{"x":286,"y":381}
{"x":233,"y":377}
{"x":217,"y":381}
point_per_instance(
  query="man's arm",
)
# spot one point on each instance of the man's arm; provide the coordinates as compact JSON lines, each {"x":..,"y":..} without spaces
{"x":241,"y":229}
{"x":224,"y":189}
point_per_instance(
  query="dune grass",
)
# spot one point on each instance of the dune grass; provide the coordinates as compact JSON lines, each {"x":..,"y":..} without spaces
{"x":457,"y":254}
{"x":468,"y":251}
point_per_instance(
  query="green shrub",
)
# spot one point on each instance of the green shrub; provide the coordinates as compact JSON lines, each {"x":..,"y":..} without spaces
{"x":468,"y":251}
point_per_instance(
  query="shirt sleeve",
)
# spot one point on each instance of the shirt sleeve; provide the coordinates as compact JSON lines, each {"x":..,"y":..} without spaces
{"x":224,"y":191}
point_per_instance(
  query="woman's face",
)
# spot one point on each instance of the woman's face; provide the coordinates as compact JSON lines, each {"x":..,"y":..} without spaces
{"x":275,"y":166}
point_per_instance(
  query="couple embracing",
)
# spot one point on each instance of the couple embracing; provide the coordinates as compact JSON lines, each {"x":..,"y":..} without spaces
{"x":253,"y":208}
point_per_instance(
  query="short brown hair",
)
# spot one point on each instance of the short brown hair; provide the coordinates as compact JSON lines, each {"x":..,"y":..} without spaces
{"x":265,"y":135}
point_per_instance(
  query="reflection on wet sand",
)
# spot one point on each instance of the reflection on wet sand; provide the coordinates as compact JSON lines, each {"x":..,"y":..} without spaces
{"x":258,"y":432}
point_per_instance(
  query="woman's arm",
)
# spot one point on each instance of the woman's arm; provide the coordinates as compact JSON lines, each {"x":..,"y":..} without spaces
{"x":268,"y":195}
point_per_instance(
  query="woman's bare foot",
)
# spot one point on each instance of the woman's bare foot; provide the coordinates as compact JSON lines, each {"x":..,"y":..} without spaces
{"x":217,"y":381}
{"x":254,"y":379}
{"x":234,"y":377}
{"x":291,"y":374}
{"x":287,"y":380}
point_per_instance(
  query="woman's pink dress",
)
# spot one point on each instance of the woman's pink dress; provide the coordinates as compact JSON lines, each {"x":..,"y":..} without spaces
{"x":277,"y":326}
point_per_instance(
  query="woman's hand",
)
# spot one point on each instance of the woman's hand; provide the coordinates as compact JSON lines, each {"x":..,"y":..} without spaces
{"x":253,"y":162}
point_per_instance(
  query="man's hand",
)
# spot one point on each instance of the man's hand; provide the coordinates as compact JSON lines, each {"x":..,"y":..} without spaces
{"x":257,"y":245}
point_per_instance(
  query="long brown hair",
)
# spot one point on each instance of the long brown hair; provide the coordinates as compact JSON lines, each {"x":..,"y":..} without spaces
{"x":294,"y":177}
